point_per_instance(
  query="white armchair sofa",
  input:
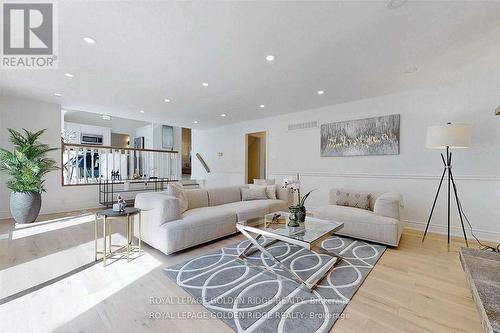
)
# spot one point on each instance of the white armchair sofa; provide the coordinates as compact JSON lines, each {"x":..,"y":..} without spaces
{"x":380,"y":223}
{"x":211,"y":214}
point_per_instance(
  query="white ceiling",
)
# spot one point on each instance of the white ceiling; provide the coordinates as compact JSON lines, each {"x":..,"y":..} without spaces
{"x":147,"y":51}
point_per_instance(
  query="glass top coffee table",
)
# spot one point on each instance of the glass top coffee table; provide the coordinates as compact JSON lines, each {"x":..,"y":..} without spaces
{"x":308,"y":235}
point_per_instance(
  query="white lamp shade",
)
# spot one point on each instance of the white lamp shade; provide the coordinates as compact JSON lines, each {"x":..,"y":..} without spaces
{"x":450,"y":135}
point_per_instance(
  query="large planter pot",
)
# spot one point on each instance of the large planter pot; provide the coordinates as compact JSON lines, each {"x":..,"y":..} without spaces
{"x":25,"y":206}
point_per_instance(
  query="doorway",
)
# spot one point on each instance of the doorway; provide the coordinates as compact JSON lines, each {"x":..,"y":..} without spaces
{"x":256,"y":156}
{"x":186,"y":153}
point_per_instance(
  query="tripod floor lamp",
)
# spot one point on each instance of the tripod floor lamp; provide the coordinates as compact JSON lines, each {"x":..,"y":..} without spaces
{"x":449,"y":136}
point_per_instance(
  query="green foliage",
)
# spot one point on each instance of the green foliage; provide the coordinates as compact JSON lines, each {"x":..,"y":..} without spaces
{"x":28,"y":163}
{"x":302,"y":201}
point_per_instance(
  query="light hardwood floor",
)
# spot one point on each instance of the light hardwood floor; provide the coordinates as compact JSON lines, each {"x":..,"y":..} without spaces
{"x":49,"y":283}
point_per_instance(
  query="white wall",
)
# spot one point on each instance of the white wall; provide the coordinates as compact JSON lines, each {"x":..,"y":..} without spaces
{"x":153,"y":139}
{"x":147,"y":132}
{"x":80,"y":129}
{"x":116,"y":124}
{"x":414,"y":172}
{"x":18,"y":113}
{"x":158,"y":141}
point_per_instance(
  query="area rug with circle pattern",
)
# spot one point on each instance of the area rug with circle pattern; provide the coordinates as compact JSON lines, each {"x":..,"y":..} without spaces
{"x":251,"y":299}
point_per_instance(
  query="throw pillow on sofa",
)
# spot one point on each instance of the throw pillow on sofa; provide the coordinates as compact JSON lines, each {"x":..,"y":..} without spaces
{"x":177,"y":190}
{"x":270,"y":190}
{"x":256,"y":193}
{"x":388,"y":205}
{"x":352,"y":199}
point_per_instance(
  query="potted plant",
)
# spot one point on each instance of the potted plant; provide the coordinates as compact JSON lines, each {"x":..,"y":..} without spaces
{"x":26,"y":167}
{"x":298,"y":211}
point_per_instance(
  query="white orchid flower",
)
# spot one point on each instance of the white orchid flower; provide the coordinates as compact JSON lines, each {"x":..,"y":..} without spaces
{"x":287,"y":182}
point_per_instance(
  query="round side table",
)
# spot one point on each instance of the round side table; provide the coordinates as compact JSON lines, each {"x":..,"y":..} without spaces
{"x":109,"y":214}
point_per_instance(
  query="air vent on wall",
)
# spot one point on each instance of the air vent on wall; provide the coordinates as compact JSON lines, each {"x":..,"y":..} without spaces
{"x":309,"y":124}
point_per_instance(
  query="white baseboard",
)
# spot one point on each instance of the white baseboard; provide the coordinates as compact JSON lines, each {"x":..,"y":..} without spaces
{"x":486,"y":235}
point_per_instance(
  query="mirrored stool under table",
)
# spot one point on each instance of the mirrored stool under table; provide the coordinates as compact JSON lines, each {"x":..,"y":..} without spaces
{"x":107,"y":215}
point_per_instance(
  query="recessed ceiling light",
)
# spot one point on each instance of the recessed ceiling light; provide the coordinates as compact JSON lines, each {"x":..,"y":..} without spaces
{"x":89,"y":40}
{"x":196,"y":121}
{"x":204,"y":84}
{"x":69,"y":75}
{"x":270,"y":57}
{"x":320,"y":92}
{"x":223,"y":115}
{"x":141,"y":111}
{"x":57,"y":94}
{"x":393,"y":4}
{"x":262,"y":106}
{"x":106,"y":117}
{"x":167,"y":100}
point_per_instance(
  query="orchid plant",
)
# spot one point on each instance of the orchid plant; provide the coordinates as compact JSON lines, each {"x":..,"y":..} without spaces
{"x":294,"y":185}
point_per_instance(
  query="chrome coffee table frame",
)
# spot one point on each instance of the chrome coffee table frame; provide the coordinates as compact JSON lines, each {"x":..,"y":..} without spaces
{"x":314,"y":279}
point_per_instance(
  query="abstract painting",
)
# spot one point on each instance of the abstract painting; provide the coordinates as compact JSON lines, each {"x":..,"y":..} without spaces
{"x":370,"y":136}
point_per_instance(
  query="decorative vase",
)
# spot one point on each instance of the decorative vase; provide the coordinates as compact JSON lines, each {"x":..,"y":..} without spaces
{"x":294,"y":216}
{"x":25,"y":206}
{"x":301,"y":215}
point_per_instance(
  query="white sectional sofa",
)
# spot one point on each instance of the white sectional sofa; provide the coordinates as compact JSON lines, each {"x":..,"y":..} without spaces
{"x":211,"y":214}
{"x":379,"y":223}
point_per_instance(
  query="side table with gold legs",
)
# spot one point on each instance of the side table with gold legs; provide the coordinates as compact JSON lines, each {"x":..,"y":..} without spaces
{"x":107,"y":215}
